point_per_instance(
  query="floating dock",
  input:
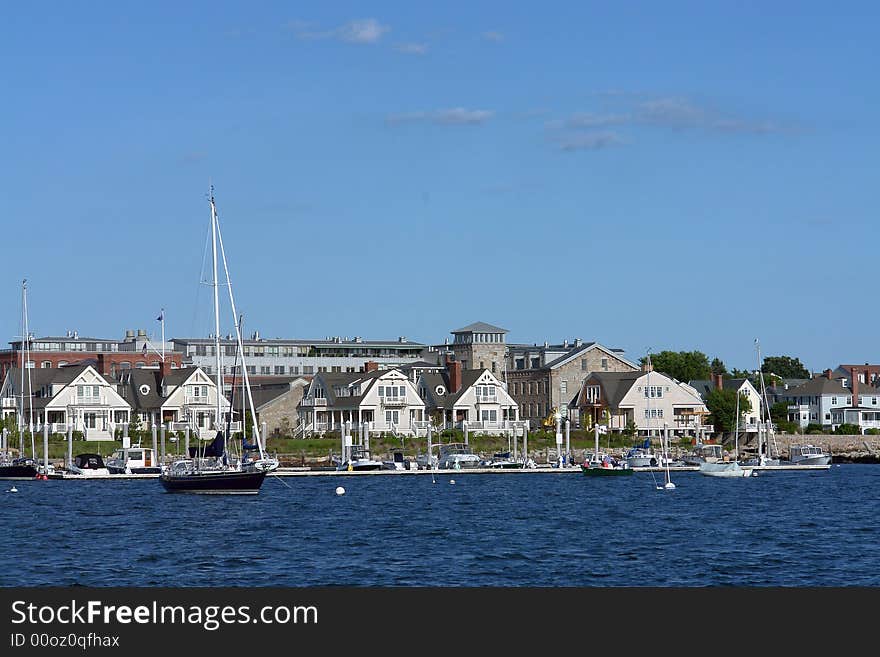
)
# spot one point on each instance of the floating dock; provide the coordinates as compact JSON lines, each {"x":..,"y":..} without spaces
{"x":306,"y":472}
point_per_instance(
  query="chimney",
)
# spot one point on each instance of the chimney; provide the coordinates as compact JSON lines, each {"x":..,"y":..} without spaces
{"x":165,"y":368}
{"x":371,"y":366}
{"x":828,"y":374}
{"x":718,"y":381}
{"x":854,"y":384}
{"x":454,"y":369}
{"x":101,"y":365}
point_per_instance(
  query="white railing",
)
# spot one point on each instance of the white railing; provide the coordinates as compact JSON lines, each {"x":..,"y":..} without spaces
{"x":487,"y":399}
{"x":393,"y":401}
{"x":201,"y":400}
{"x":314,"y":401}
{"x":90,"y":401}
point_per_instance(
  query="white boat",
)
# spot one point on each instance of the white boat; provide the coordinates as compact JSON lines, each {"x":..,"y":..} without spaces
{"x":725,"y":469}
{"x":457,"y":456}
{"x":641,"y":457}
{"x":398,"y":462}
{"x":134,"y":460}
{"x":704,"y":453}
{"x":359,"y":461}
{"x":88,"y":465}
{"x":808,"y":455}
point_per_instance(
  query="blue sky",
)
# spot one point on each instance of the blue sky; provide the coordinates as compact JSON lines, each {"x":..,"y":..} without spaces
{"x":681,"y":175}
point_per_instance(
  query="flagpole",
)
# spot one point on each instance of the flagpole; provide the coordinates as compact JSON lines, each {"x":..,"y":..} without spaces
{"x":162,"y":315}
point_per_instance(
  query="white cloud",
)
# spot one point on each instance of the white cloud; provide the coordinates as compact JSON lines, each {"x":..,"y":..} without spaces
{"x":589,"y":141}
{"x":452,"y":116}
{"x":363,"y":31}
{"x":412,"y":48}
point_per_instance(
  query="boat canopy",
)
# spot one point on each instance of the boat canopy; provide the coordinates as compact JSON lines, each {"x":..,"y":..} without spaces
{"x":88,"y":461}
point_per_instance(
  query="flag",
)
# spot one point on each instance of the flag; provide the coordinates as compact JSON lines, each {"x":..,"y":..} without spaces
{"x":161,"y":316}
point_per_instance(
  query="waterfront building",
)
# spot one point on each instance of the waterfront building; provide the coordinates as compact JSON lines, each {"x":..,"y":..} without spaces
{"x":280,"y":357}
{"x":177,"y":398}
{"x":276,"y":404}
{"x":134,"y":351}
{"x":387,"y":399}
{"x":539,"y":386}
{"x":456,"y":397}
{"x":479,"y":346}
{"x":648,"y":400}
{"x":76,"y":395}
{"x":830,"y":401}
{"x":751,"y":418}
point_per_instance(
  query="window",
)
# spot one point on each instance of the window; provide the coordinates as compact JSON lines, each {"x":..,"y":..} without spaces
{"x":494,"y":366}
{"x":264,"y":369}
{"x":520,"y":363}
{"x":563,"y":387}
{"x":604,"y":363}
{"x":336,"y":368}
{"x":402,"y":391}
{"x":48,"y":363}
{"x":392,"y":417}
{"x":583,"y":364}
{"x":201,"y":350}
{"x":279,"y":369}
{"x":229,"y":350}
{"x":252,"y":369}
{"x":536,"y":362}
{"x":308,"y":369}
{"x":834,"y":400}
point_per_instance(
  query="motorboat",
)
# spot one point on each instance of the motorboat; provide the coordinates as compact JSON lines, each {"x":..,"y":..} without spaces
{"x":134,"y":460}
{"x":504,"y":461}
{"x":359,"y":461}
{"x":20,"y":468}
{"x":725,"y":469}
{"x":704,"y":453}
{"x":398,"y":462}
{"x":457,"y":456}
{"x":808,"y":455}
{"x":88,"y":465}
{"x":598,"y":464}
{"x":641,"y":457}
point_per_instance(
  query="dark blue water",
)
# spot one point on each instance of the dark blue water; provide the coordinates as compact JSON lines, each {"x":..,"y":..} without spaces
{"x":782,"y":529}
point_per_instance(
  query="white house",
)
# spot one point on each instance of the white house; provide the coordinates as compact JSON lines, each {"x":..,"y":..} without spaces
{"x":387,"y":399}
{"x":651,"y":400}
{"x":74,"y":395}
{"x":476,"y":398}
{"x":752,"y":417}
{"x":830,"y":402}
{"x":185,"y":397}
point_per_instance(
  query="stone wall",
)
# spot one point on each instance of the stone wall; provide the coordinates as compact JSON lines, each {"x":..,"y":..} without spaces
{"x":283,"y":407}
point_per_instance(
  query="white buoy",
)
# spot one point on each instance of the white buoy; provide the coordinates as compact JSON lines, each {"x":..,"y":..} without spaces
{"x":340,"y":490}
{"x":452,"y":481}
{"x":669,"y":486}
{"x":13,"y":490}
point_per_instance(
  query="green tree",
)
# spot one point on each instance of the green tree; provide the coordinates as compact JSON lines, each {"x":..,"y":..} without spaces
{"x":681,"y":365}
{"x":134,"y":427}
{"x":779,"y":412}
{"x":741,"y":374}
{"x":718,"y":366}
{"x":722,"y":405}
{"x":786,"y":367}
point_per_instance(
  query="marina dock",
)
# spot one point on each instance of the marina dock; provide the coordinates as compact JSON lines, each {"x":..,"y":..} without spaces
{"x":306,"y":472}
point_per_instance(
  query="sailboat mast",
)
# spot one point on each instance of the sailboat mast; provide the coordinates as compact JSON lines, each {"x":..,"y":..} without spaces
{"x":26,"y":357}
{"x":219,"y":374}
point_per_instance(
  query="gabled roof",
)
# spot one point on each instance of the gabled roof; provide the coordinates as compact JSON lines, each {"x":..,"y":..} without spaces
{"x":447,"y":401}
{"x":705,"y":386}
{"x":614,"y":385}
{"x":41,"y":376}
{"x":480,"y":327}
{"x":131,"y":382}
{"x":818,"y":386}
{"x":586,"y":346}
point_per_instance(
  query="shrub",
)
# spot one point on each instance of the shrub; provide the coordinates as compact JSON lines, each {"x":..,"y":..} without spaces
{"x":787,"y":427}
{"x":848,"y":430}
{"x":872,"y":432}
{"x":814,"y":428}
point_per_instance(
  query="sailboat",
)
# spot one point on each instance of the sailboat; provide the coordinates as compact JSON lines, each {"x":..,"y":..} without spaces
{"x":765,"y":425}
{"x":217,"y":469}
{"x":664,"y":438}
{"x":22,"y":467}
{"x":728,"y":468}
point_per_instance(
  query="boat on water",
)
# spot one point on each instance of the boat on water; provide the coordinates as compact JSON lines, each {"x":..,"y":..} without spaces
{"x":88,"y":465}
{"x":704,"y":453}
{"x":808,"y":455}
{"x":726,"y":469}
{"x":457,"y":456}
{"x":642,"y":456}
{"x":20,"y":468}
{"x":398,"y":461}
{"x":134,"y":460}
{"x":598,"y":464}
{"x":222,"y":467}
{"x":360,"y":461}
{"x":505,"y":461}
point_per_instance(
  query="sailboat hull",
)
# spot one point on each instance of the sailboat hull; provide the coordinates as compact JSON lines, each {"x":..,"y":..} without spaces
{"x":215,"y":483}
{"x":606,"y":472}
{"x":17,"y":472}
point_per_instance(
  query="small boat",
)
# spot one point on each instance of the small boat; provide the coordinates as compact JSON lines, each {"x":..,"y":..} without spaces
{"x":457,"y":456}
{"x":360,"y":461}
{"x":725,"y":469}
{"x":398,"y":462}
{"x":21,"y":468}
{"x":808,"y":455}
{"x":134,"y":460}
{"x":708,"y":453}
{"x":88,"y":465}
{"x":641,"y":457}
{"x":597,"y":464}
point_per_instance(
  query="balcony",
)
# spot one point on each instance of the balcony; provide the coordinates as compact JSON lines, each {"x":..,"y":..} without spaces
{"x":487,"y":399}
{"x":393,"y":401}
{"x":189,"y":400}
{"x":90,"y":401}
{"x":314,"y":401}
